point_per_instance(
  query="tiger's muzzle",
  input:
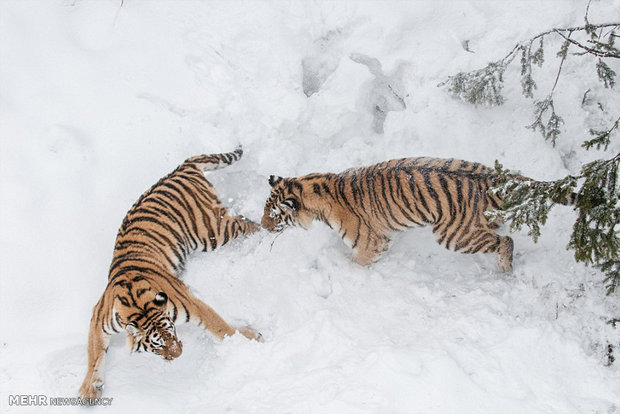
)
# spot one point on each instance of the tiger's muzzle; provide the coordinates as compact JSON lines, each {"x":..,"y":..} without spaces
{"x":173,"y":348}
{"x":269,"y":223}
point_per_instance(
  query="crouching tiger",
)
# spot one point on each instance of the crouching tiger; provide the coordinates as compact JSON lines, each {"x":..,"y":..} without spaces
{"x":366,"y":205}
{"x":179,"y":214}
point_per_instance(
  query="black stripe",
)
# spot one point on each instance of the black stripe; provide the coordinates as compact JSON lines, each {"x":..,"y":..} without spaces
{"x":400,"y":193}
{"x":355,"y":190}
{"x":123,"y":300}
{"x":138,"y":256}
{"x":166,"y":204}
{"x":133,"y":268}
{"x":444,"y":187}
{"x":179,"y":219}
{"x":435,"y":197}
{"x":141,"y":292}
{"x":122,"y":260}
{"x":388,"y":205}
{"x":174,"y":312}
{"x":186,"y":312}
{"x":329,"y":193}
{"x":418,"y":196}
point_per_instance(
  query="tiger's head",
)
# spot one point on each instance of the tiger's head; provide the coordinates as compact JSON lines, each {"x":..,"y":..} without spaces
{"x":144,"y":311}
{"x":285,"y":206}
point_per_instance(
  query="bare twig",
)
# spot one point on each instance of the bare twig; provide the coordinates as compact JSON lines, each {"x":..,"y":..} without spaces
{"x":557,"y":76}
{"x":587,"y":11}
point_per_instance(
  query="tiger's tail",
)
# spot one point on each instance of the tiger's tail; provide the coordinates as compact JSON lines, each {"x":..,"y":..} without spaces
{"x":215,"y":161}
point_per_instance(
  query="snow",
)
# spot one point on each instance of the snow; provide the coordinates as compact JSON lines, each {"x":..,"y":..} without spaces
{"x":99,"y":99}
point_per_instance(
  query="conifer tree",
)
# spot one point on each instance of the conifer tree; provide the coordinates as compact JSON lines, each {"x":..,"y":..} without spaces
{"x":595,"y":238}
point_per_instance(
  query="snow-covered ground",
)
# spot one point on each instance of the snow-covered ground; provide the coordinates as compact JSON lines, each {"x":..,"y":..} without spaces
{"x":98,"y":99}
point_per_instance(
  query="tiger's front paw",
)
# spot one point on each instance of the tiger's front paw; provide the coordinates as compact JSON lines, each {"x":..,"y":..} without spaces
{"x":250,"y":333}
{"x":91,"y":388}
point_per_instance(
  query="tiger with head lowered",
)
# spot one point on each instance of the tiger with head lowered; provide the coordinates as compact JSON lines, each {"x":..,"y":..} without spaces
{"x":179,"y":214}
{"x":366,"y":205}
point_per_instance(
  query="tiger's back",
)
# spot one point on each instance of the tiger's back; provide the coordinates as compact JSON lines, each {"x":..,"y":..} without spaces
{"x":177,"y":215}
{"x":408,"y":192}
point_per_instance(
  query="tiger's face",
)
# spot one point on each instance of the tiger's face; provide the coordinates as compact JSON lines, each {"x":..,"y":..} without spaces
{"x":159,"y":337}
{"x":284,"y":206}
{"x":144,"y":312}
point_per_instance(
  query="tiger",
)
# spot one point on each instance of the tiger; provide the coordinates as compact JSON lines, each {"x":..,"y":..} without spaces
{"x":144,"y":297}
{"x":367,"y":205}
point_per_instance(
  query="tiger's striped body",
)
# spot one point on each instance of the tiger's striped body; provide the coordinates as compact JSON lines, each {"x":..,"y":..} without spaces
{"x":366,"y":205}
{"x":179,"y":214}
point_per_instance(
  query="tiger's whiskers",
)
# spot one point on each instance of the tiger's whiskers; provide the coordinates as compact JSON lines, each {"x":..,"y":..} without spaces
{"x":274,"y":240}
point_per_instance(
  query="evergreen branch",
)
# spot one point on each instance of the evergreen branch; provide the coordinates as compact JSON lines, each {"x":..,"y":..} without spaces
{"x":551,"y":130}
{"x":609,"y":46}
{"x":605,"y":74}
{"x":484,"y":86}
{"x":578,"y":28}
{"x":527,"y":58}
{"x":526,"y":201}
{"x":602,"y":138}
{"x":595,"y":192}
{"x":595,"y":238}
{"x":589,"y":50}
{"x":587,"y":28}
{"x":611,"y":269}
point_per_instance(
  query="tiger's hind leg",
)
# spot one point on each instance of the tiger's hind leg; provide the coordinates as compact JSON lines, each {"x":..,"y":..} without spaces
{"x":239,"y":226}
{"x":229,"y":228}
{"x":487,"y":241}
{"x":506,"y":247}
{"x":479,"y":240}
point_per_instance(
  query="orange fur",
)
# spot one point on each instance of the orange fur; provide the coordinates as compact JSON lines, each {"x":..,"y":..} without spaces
{"x":179,"y":214}
{"x":366,"y":205}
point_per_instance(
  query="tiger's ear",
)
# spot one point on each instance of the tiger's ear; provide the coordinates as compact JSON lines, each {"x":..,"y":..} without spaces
{"x":290,"y":204}
{"x":160,"y":299}
{"x":274,"y":179}
{"x":132,"y":329}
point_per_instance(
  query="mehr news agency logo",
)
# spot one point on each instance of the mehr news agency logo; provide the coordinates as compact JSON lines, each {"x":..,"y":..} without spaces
{"x":33,"y":400}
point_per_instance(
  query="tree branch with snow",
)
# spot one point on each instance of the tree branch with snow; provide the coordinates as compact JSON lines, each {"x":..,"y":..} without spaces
{"x":595,"y":237}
